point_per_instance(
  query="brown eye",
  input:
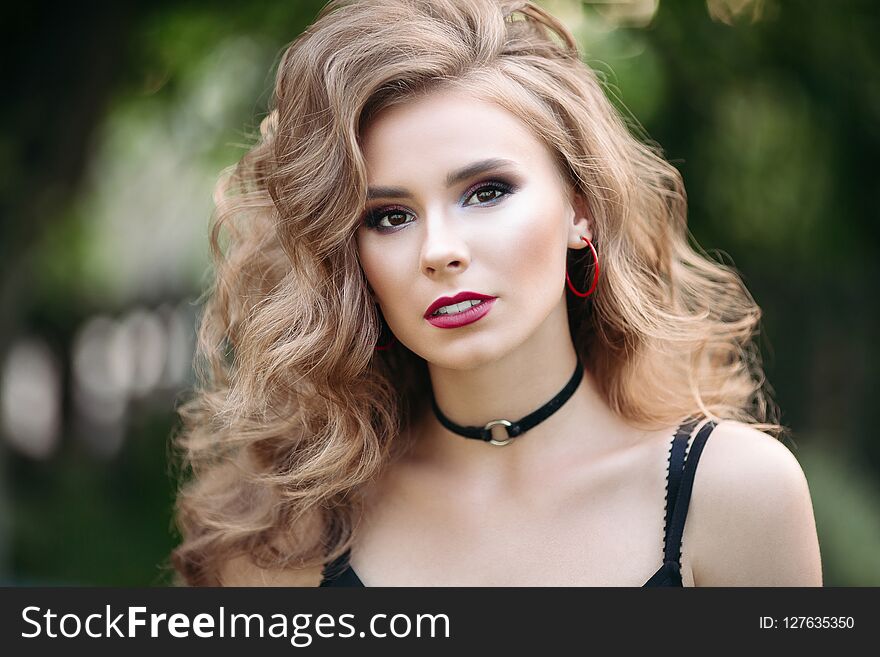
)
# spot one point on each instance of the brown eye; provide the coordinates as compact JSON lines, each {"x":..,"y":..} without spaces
{"x":396,"y":218}
{"x":488,"y":192}
{"x":388,"y":219}
{"x":485,"y":195}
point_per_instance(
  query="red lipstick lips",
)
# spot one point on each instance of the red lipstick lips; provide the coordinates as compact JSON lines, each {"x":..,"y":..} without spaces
{"x":468,"y":316}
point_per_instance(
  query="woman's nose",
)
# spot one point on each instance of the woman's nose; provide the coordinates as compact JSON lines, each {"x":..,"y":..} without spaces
{"x":444,"y":248}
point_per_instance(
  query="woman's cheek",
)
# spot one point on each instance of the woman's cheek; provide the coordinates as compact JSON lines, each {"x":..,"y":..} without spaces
{"x":374,"y":266}
{"x":392,"y":289}
{"x":532,"y":249}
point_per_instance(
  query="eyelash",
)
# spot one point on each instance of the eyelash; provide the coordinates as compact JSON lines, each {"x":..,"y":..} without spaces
{"x":373,"y":217}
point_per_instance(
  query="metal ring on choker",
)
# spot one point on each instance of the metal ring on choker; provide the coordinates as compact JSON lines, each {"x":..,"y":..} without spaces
{"x":518,"y":427}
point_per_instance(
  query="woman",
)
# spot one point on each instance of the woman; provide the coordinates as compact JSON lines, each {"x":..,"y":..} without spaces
{"x":458,"y":335}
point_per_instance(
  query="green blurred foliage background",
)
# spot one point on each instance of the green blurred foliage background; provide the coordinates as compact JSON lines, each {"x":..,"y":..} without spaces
{"x":118,"y":119}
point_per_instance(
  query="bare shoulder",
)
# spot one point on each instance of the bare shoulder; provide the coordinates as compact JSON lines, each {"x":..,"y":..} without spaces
{"x":751,"y":518}
{"x":241,"y":571}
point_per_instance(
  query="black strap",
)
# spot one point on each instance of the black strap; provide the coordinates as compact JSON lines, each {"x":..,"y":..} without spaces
{"x":675,"y":527}
{"x":674,"y":470}
{"x":523,"y":424}
{"x":338,"y":571}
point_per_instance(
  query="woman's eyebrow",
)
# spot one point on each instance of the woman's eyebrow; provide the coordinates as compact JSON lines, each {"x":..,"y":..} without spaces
{"x":452,"y":178}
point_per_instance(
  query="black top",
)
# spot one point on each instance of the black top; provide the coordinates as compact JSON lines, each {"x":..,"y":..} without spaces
{"x":679,"y":483}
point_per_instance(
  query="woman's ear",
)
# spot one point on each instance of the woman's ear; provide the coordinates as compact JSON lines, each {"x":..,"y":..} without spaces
{"x":580,"y":222}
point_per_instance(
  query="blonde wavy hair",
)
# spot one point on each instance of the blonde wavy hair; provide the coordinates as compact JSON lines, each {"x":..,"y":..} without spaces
{"x":294,"y":411}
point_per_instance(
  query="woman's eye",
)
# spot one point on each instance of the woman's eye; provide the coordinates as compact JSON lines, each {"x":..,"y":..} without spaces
{"x":387,"y":220}
{"x":489,"y":192}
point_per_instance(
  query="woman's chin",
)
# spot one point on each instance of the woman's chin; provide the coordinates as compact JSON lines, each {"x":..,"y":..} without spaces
{"x":466,"y":354}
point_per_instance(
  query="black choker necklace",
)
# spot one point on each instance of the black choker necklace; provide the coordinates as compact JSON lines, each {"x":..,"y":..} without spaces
{"x":520,"y":426}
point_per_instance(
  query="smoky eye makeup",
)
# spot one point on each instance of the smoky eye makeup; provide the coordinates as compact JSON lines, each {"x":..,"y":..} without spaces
{"x":497,"y":189}
{"x":486,"y":193}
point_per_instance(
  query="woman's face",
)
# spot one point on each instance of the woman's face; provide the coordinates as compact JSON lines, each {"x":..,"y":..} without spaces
{"x":477,"y":205}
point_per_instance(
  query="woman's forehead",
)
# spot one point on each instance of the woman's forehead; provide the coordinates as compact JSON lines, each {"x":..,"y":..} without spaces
{"x":445,"y":130}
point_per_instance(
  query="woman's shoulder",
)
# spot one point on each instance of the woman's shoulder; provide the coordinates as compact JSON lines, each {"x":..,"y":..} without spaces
{"x":742,"y":465}
{"x":751,"y":518}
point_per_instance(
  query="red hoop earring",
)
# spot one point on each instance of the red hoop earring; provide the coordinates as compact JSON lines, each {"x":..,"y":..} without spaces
{"x":385,"y":346}
{"x":595,"y":272}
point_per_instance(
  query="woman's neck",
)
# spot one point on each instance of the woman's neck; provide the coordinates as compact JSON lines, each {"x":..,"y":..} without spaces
{"x":510,"y":388}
